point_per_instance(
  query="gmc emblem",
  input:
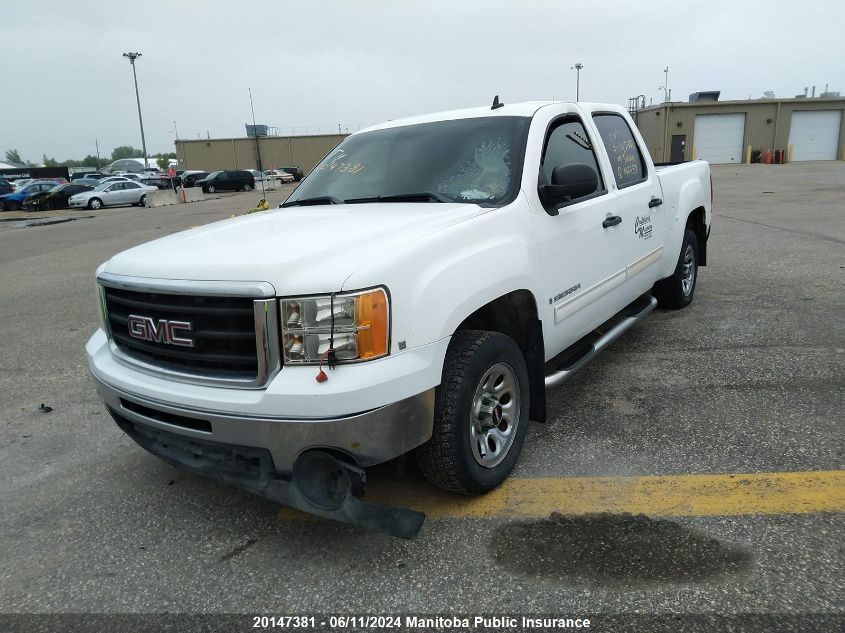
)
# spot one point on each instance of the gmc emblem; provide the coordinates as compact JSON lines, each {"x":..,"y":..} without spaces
{"x":160,"y":331}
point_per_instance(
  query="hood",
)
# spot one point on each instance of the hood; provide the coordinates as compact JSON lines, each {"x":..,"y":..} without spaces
{"x":305,"y":250}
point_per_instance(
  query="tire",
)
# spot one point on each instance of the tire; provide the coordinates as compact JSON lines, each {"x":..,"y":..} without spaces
{"x":209,"y":189}
{"x":143,"y":201}
{"x":246,"y":187}
{"x":677,"y":291}
{"x":95,"y":203}
{"x":453,"y":458}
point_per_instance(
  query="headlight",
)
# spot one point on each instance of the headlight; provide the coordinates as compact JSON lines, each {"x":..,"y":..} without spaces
{"x":360,"y":320}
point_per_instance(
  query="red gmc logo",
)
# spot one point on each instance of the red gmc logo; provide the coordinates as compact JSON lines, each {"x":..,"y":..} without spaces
{"x":160,"y":331}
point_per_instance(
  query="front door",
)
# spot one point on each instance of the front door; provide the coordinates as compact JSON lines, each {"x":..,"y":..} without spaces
{"x":581,"y":247}
{"x":676,"y":150}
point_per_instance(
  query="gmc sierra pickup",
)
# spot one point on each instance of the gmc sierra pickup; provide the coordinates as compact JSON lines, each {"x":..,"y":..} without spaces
{"x":419,"y":291}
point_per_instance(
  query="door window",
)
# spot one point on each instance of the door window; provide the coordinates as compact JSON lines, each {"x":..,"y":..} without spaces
{"x":131,"y":185}
{"x":624,"y":153}
{"x":569,"y":144}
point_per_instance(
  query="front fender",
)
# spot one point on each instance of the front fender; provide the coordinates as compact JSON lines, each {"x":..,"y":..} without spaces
{"x":441,"y":279}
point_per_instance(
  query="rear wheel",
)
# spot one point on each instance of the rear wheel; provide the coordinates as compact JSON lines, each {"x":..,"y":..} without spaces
{"x":247,"y":187}
{"x":143,"y":201}
{"x":95,"y":203}
{"x":480,"y":414}
{"x":677,"y":291}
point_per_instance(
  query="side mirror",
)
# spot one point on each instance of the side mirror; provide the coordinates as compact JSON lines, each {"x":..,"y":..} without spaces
{"x":569,"y":182}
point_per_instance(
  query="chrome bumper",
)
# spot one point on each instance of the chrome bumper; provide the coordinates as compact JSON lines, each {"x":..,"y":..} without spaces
{"x":369,"y":438}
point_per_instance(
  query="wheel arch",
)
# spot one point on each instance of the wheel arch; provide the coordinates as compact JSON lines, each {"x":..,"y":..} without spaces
{"x":515,"y":315}
{"x":697,"y":222}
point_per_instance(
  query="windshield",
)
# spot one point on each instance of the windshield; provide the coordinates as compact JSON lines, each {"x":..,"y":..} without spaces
{"x":465,"y":160}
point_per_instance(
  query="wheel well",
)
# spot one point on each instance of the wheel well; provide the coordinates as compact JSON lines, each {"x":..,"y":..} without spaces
{"x":697,"y":222}
{"x":515,"y":315}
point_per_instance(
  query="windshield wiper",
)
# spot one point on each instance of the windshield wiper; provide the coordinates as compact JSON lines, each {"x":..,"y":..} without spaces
{"x":423,"y":196}
{"x":304,"y":202}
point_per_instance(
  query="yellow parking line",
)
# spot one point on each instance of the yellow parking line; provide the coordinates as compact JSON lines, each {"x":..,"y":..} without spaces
{"x":670,"y":495}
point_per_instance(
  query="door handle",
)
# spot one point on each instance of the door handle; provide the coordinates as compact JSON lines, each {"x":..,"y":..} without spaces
{"x":654,"y":202}
{"x":611,"y":220}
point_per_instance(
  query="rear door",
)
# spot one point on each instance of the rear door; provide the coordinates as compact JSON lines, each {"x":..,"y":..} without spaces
{"x":639,"y":197}
{"x":132,"y":193}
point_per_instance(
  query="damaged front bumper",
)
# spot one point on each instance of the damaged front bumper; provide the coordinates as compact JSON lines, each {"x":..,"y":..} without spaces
{"x":311,"y":464}
{"x":321,"y":483}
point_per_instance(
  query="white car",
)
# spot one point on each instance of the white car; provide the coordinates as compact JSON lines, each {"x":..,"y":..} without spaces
{"x":281,"y":176}
{"x":392,"y":305}
{"x":258,"y":175}
{"x":110,"y":194}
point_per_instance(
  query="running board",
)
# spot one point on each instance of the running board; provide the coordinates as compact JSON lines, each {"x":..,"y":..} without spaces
{"x":630,"y":316}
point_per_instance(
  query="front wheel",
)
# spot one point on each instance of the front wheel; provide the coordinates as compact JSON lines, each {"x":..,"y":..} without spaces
{"x":95,"y":203}
{"x":480,"y":414}
{"x":210,"y":189}
{"x":677,"y":291}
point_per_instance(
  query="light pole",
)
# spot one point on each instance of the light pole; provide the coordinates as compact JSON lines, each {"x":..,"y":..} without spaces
{"x":578,"y":68}
{"x":132,"y":57}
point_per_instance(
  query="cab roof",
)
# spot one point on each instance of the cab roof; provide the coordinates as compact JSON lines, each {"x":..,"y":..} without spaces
{"x":525,"y":109}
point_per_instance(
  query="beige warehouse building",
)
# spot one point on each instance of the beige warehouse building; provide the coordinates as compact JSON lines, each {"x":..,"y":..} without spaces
{"x":242,"y":153}
{"x":734,"y":131}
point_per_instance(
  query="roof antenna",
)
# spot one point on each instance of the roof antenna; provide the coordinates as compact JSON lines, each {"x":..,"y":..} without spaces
{"x":496,"y":104}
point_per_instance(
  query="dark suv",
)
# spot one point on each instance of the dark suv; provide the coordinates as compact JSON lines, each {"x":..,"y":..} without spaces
{"x":296,"y":172}
{"x":227,"y":181}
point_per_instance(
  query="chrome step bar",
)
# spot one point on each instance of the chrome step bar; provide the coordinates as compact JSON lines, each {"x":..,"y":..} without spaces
{"x":563,"y":373}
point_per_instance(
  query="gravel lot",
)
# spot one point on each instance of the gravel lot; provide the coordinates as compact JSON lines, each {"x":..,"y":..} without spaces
{"x":749,"y":379}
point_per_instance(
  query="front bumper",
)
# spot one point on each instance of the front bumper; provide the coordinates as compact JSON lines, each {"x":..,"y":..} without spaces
{"x":367,"y":438}
{"x":320,"y":484}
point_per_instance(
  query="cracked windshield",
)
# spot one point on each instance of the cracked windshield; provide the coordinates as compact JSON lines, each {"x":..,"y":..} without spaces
{"x":470,"y":160}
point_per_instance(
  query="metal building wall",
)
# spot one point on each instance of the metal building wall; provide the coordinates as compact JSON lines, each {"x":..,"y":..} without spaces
{"x":766,"y":123}
{"x":240,"y":153}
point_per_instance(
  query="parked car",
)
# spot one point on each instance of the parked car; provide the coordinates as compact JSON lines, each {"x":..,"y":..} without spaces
{"x":14,"y":201}
{"x":114,"y":179}
{"x":281,"y":176}
{"x":87,"y":174}
{"x":55,"y":198}
{"x":110,"y":194}
{"x":160,"y":182}
{"x":240,"y":180}
{"x":189,"y":178}
{"x":88,"y":182}
{"x":6,"y":186}
{"x":296,"y":172}
{"x":427,"y":306}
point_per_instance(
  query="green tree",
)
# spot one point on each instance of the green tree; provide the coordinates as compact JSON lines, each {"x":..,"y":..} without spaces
{"x":13,"y":156}
{"x":49,"y":162}
{"x":126,"y":151}
{"x":162,"y":162}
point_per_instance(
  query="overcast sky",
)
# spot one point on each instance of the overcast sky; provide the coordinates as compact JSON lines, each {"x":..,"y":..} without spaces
{"x":323,"y":62}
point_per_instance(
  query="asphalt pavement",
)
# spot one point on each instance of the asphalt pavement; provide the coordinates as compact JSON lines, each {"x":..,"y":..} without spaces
{"x":748,"y":380}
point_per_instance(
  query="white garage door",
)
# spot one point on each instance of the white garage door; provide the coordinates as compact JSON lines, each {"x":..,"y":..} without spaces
{"x":718,"y":137}
{"x":814,"y":135}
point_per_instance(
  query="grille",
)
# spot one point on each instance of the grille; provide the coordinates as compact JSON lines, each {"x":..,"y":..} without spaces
{"x":223,"y":332}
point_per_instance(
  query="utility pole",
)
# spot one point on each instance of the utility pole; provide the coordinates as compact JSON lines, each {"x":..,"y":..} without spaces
{"x":97,"y":145}
{"x":132,"y":57}
{"x":577,"y":68}
{"x":175,"y":130}
{"x":257,"y":146}
{"x":667,"y":94}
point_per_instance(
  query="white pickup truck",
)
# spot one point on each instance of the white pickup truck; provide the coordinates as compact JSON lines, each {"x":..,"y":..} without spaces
{"x":419,"y":291}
